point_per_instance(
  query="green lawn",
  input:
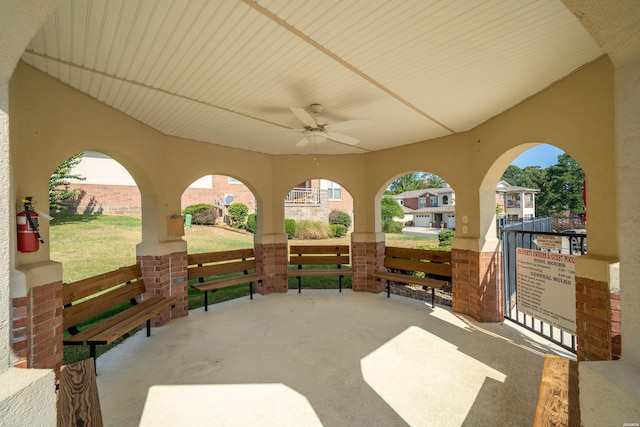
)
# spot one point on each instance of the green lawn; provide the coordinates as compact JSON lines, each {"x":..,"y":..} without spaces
{"x":87,"y":245}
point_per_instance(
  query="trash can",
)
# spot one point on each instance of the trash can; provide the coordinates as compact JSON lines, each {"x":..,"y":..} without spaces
{"x":187,"y":221}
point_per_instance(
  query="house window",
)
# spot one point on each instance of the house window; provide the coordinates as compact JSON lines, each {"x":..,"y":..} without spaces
{"x":334,"y":191}
{"x":445,"y":200}
{"x":433,"y":202}
{"x":422,"y":203}
{"x":232,"y":180}
{"x":501,"y":196}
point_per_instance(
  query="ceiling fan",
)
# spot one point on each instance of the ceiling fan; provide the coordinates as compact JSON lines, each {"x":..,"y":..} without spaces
{"x":317,"y":132}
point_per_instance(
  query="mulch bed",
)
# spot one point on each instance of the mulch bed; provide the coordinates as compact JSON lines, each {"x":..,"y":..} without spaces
{"x":443,"y":296}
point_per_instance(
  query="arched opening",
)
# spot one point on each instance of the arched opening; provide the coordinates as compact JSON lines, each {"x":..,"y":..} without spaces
{"x":95,"y":204}
{"x":542,"y":229}
{"x":220,"y":215}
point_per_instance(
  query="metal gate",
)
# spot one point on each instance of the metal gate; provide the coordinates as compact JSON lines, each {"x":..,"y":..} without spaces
{"x":575,"y":244}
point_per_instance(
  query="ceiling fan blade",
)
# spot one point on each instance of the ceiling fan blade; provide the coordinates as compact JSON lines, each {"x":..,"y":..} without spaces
{"x":340,"y":137}
{"x":349,"y":124}
{"x":304,"y":141}
{"x":304,"y":117}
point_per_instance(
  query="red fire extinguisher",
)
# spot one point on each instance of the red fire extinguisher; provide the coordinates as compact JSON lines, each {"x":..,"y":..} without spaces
{"x":28,"y":235}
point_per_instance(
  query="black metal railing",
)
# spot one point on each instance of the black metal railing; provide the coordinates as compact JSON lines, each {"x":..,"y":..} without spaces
{"x":571,"y":243}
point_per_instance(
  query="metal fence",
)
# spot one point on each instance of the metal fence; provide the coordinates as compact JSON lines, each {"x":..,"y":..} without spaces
{"x":573,"y":244}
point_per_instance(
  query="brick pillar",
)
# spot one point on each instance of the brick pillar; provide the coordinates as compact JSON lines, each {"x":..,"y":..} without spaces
{"x":477,"y":284}
{"x":271,"y":260}
{"x":36,"y":328}
{"x":597,"y":321}
{"x":366,"y":257}
{"x":166,"y":275}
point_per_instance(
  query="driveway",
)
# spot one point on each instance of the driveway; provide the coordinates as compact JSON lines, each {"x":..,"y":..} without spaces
{"x":422,"y":231}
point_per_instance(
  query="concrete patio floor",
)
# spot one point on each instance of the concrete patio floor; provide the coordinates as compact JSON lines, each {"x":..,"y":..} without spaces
{"x":323,"y":358}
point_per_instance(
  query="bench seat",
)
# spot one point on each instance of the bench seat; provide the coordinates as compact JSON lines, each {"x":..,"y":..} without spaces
{"x":221,"y":269}
{"x":304,"y":261}
{"x":401,"y":264}
{"x":90,"y":297}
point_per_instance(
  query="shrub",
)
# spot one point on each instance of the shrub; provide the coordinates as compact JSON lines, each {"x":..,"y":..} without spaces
{"x":340,"y":217}
{"x":290,"y":227}
{"x":237,"y":214}
{"x":390,"y":226}
{"x":202,"y":214}
{"x":338,"y":230}
{"x":445,"y":237}
{"x":307,"y":229}
{"x":252,"y":223}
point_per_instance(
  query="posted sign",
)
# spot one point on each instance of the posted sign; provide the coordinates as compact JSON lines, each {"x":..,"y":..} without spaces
{"x":546,"y":287}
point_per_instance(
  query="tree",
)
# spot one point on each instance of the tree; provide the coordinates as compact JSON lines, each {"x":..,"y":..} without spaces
{"x":562,"y":189}
{"x":58,"y":191}
{"x":414,"y":181}
{"x":408,"y":182}
{"x":390,"y":209}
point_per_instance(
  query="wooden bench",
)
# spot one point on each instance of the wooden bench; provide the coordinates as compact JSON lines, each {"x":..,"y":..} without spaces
{"x":95,"y":295}
{"x":401,"y":264}
{"x":217,"y":270}
{"x":558,"y":398}
{"x":305,"y":257}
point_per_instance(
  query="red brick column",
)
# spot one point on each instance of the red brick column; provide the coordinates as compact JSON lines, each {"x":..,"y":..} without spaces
{"x":366,"y":257}
{"x":36,"y":328}
{"x":166,"y":275}
{"x":597,"y":320}
{"x":477,"y":284}
{"x":271,"y":260}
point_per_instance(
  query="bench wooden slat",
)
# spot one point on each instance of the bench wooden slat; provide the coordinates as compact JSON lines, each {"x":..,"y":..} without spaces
{"x":410,"y":279}
{"x":413,"y":265}
{"x":319,"y":260}
{"x":86,"y":287}
{"x":223,"y":268}
{"x":91,"y":307}
{"x":436,"y":256}
{"x":318,"y":249}
{"x":228,"y":281}
{"x":320,"y":272}
{"x":139,"y":314}
{"x":78,"y":400}
{"x":558,"y":398}
{"x":124,"y":321}
{"x":209,"y":257}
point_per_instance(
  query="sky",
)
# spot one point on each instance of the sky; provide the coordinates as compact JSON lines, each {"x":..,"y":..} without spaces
{"x":543,"y":155}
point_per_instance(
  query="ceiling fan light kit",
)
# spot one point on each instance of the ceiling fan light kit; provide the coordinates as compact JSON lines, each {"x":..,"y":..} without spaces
{"x":316,"y":133}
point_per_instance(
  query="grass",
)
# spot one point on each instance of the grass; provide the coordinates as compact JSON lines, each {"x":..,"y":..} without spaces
{"x":88,"y":245}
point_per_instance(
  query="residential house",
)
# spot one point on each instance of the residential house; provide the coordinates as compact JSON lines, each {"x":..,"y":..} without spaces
{"x":516,"y":203}
{"x":435,"y":207}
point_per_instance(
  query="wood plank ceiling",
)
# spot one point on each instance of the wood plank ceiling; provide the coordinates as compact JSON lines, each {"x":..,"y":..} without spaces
{"x":226,"y":72}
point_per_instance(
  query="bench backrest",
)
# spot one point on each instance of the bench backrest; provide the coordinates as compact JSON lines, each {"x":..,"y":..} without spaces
{"x":94,"y":295}
{"x":224,"y":262}
{"x":319,"y":255}
{"x":414,"y":260}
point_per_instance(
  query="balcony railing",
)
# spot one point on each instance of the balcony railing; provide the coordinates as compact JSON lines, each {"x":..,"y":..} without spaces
{"x":303,"y":196}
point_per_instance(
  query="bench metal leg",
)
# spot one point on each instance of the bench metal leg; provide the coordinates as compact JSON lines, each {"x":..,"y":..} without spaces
{"x":206,"y":300}
{"x":148,"y":327}
{"x":299,"y":284}
{"x":92,"y":354}
{"x":250,"y":290}
{"x":388,"y":289}
{"x":340,"y":282}
{"x":433,"y":297}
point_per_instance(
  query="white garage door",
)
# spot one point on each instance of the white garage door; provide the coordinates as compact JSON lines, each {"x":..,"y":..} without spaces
{"x":422,"y":220}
